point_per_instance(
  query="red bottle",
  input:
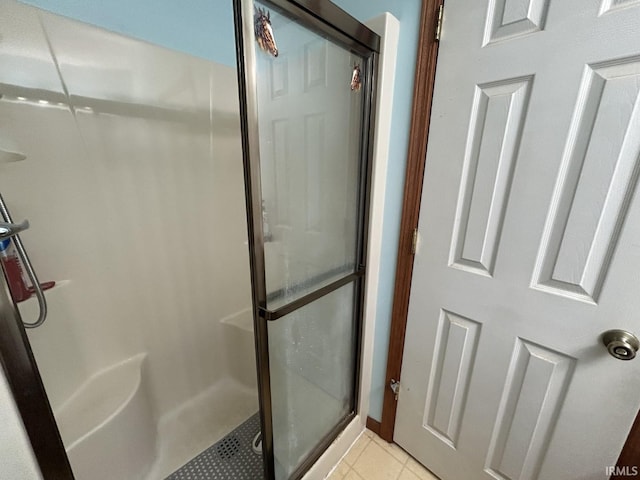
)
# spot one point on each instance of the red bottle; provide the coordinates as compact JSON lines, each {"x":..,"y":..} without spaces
{"x":13,"y":271}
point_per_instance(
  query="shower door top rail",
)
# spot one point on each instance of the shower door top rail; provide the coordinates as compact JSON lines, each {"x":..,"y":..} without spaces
{"x":330,"y":18}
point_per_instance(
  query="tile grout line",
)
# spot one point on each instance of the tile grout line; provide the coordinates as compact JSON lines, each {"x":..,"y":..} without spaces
{"x":394,"y":453}
{"x":355,"y":460}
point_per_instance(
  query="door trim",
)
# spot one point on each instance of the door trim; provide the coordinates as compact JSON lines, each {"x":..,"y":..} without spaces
{"x":416,"y":157}
{"x":418,"y":134}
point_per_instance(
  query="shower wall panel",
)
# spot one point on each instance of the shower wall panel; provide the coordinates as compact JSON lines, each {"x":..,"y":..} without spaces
{"x":134,"y":188}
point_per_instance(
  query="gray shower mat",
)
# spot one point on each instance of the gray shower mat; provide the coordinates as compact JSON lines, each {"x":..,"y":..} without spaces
{"x":232,"y":458}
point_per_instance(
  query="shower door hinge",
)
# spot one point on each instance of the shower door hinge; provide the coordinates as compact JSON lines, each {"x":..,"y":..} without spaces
{"x":439,"y":22}
{"x":414,"y":241}
{"x":394,"y":385}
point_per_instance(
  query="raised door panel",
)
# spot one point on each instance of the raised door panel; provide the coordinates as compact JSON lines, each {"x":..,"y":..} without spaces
{"x":454,"y":356}
{"x":498,"y":115}
{"x":508,"y":19}
{"x":597,"y":179}
{"x":533,"y":395}
{"x":613,"y":5}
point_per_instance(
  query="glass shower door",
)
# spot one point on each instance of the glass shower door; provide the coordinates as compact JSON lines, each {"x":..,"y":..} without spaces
{"x":308,"y":89}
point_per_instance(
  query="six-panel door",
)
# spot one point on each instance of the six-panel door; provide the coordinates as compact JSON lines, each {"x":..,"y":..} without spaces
{"x":529,"y":244}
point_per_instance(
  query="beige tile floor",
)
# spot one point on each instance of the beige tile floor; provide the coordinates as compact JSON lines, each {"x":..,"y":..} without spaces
{"x":372,"y":458}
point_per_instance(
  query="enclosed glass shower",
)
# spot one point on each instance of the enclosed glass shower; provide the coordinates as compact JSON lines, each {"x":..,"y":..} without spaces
{"x":308,"y":91}
{"x":203,"y":257}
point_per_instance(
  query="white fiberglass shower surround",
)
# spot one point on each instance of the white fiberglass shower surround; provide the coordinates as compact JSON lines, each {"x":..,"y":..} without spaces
{"x":126,"y":159}
{"x":171,"y":325}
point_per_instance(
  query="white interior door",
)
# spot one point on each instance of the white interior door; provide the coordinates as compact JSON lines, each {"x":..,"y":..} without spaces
{"x":530,"y":244}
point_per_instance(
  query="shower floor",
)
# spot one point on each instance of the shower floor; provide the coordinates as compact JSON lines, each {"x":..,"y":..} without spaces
{"x":201,"y":422}
{"x":230,"y":458}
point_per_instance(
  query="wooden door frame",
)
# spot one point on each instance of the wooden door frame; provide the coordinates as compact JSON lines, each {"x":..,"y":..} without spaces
{"x":420,"y":117}
{"x":418,"y":137}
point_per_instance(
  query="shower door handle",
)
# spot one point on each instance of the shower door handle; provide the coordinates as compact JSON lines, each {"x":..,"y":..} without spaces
{"x":8,"y":230}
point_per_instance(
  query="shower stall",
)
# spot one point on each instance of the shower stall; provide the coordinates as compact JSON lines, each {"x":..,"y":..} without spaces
{"x":198,"y":231}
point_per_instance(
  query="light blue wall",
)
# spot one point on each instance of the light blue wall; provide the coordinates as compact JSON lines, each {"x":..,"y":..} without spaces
{"x":205,"y":29}
{"x":408,"y":12}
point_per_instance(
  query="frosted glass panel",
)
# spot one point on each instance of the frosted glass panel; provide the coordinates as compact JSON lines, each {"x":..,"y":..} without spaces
{"x":310,"y":123}
{"x":312,"y":369}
